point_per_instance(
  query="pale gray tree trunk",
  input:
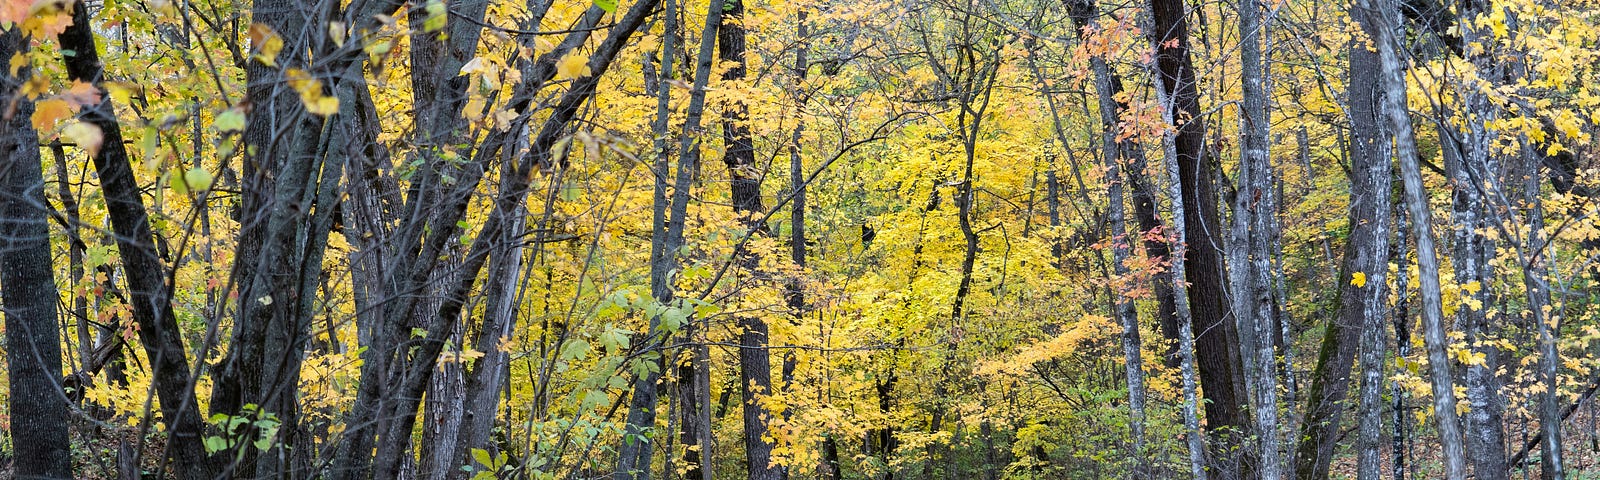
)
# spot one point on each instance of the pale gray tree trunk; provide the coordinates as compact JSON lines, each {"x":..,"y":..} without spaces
{"x":1385,"y":16}
{"x":1195,"y":438}
{"x":1113,"y":153}
{"x":1250,"y":261}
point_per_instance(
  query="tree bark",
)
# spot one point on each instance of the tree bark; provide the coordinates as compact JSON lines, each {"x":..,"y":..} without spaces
{"x":147,"y":273}
{"x":1195,"y":437}
{"x":1358,"y":326}
{"x":1253,"y":210}
{"x":37,"y":406}
{"x":755,"y":363}
{"x":1383,"y":15}
{"x":1216,"y":347}
{"x":1115,"y":153}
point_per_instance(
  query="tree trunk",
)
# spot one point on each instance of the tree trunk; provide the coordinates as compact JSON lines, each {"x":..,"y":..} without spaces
{"x":1195,"y":437}
{"x":37,"y":406}
{"x":1252,"y":264}
{"x":755,"y":363}
{"x":635,"y":453}
{"x":1115,"y":153}
{"x":1216,"y":349}
{"x":1468,"y":160}
{"x":1358,"y":325}
{"x":147,"y":273}
{"x":794,"y":290}
{"x":1546,"y":323}
{"x":489,"y":374}
{"x":1383,"y":14}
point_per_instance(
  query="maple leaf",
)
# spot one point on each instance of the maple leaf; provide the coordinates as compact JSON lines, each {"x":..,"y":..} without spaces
{"x":47,"y":113}
{"x":573,"y":66}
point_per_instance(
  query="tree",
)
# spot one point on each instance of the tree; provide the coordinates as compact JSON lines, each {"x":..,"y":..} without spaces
{"x":1358,"y":326}
{"x":1217,"y":341}
{"x":1382,"y":14}
{"x":36,"y":402}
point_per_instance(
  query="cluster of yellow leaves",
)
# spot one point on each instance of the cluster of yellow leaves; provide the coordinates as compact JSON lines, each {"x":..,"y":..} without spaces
{"x":1087,"y":328}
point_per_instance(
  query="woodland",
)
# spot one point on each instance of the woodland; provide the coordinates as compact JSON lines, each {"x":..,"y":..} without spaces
{"x":800,"y":239}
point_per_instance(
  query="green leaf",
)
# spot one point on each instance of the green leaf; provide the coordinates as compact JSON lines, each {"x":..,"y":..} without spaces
{"x":215,"y":444}
{"x":230,"y":120}
{"x":575,"y":349}
{"x":609,"y":6}
{"x":436,"y":16}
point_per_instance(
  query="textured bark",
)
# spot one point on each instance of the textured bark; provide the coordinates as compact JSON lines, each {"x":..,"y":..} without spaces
{"x":755,"y":362}
{"x":1383,"y":13}
{"x":1254,"y":206}
{"x":1216,"y":347}
{"x":1469,"y":161}
{"x":489,"y":374}
{"x":1537,"y":288}
{"x":36,"y":404}
{"x":1195,"y":437}
{"x":1402,"y":340}
{"x":1358,"y":326}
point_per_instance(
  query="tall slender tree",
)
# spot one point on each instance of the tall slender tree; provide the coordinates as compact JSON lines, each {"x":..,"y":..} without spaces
{"x":1217,"y":340}
{"x":1384,"y":15}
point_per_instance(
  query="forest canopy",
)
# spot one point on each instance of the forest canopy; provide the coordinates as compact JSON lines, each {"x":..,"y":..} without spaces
{"x":825,"y":239}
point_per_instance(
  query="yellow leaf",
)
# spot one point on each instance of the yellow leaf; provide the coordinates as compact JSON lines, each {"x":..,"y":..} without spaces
{"x":324,"y":106}
{"x":17,"y":62}
{"x":86,"y":136}
{"x":573,"y":66}
{"x":47,"y":113}
{"x":336,"y":32}
{"x":310,"y":90}
{"x":1359,"y":279}
{"x":265,"y":44}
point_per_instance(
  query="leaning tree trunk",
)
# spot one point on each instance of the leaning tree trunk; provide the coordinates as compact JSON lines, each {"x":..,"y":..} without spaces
{"x":147,"y":274}
{"x":37,"y":406}
{"x":1383,"y":14}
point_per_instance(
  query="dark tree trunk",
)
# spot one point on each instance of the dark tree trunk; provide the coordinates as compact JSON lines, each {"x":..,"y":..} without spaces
{"x":1216,"y":338}
{"x":147,"y":273}
{"x":755,"y":362}
{"x":634,"y":455}
{"x":37,"y":406}
{"x":488,"y":376}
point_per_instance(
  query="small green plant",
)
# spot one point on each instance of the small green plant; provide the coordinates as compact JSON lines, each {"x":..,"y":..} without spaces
{"x":236,"y":429}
